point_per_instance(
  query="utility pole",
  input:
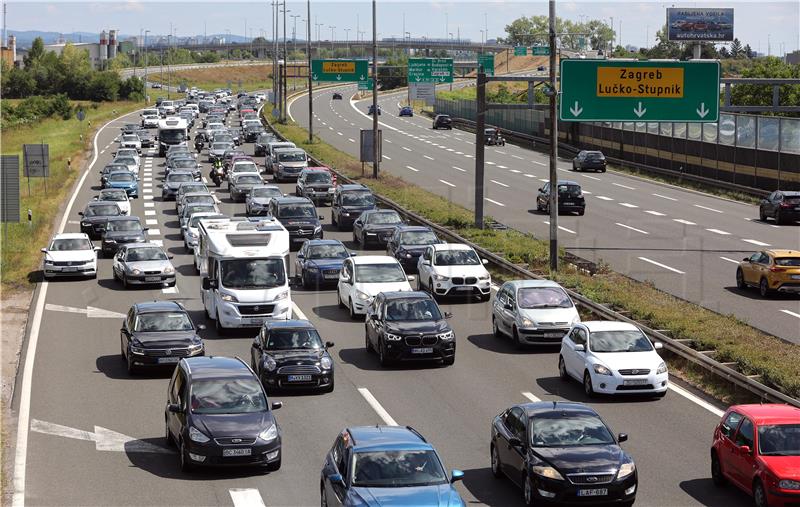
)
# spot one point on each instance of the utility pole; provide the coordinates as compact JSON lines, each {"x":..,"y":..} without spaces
{"x":146,"y":101}
{"x":553,"y":204}
{"x":285,"y":61}
{"x":480,"y":148}
{"x":308,"y":55}
{"x":375,"y":162}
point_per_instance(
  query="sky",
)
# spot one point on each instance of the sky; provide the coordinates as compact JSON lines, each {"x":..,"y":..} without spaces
{"x":775,"y":23}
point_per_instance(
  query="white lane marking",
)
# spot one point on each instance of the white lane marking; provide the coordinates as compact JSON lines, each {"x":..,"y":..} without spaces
{"x":89,"y":311}
{"x":696,"y":400}
{"x":74,"y":222}
{"x":377,"y":407}
{"x":515,"y":171}
{"x":517,"y":157}
{"x":147,"y":185}
{"x":151,"y":222}
{"x":351,"y":139}
{"x":543,"y":180}
{"x":149,"y":212}
{"x":157,"y":242}
{"x":495,"y":202}
{"x":490,"y":163}
{"x":755,"y":242}
{"x":531,"y":396}
{"x":147,"y":198}
{"x":665,"y":197}
{"x":793,"y":314}
{"x":537,"y":162}
{"x":147,"y":179}
{"x":562,"y":228}
{"x":632,"y":228}
{"x":459,"y":153}
{"x":246,"y":497}
{"x":170,"y":290}
{"x":388,"y":141}
{"x":103,"y":150}
{"x":448,"y":183}
{"x":499,"y":183}
{"x":154,"y":232}
{"x":450,"y":149}
{"x":148,"y":190}
{"x":628,"y":205}
{"x":149,"y":205}
{"x":729,"y":260}
{"x":645,"y":259}
{"x":623,"y":186}
{"x":387,"y":157}
{"x":717,"y":231}
{"x":587,"y":192}
{"x":459,"y":169}
{"x":409,"y":167}
{"x":429,"y":158}
{"x":469,"y":156}
{"x":340,"y":133}
{"x":682,"y":221}
{"x":604,"y":198}
{"x":759,"y":221}
{"x":500,"y":152}
{"x":330,"y":128}
{"x":706,"y":208}
{"x":654,"y":213}
{"x":407,"y":149}
{"x":502,"y":167}
{"x":590,"y":177}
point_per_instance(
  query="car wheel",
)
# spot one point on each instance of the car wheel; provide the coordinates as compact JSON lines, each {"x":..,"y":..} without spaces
{"x":323,"y":497}
{"x":382,"y":354}
{"x":449,"y":361}
{"x":330,"y":388}
{"x":562,"y":369}
{"x":517,"y":340}
{"x":574,"y":167}
{"x":353,"y":315}
{"x":527,"y":491}
{"x":183,"y":456}
{"x":778,"y":218}
{"x":218,"y":325}
{"x":496,"y":329}
{"x":367,"y":343}
{"x":759,"y":495}
{"x":333,"y":219}
{"x":763,"y":288}
{"x":306,"y":283}
{"x":168,"y":436}
{"x":130,"y":366}
{"x":125,"y":281}
{"x":588,"y":389}
{"x":581,"y":212}
{"x":485,"y":297}
{"x":761,"y":215}
{"x":740,"y":279}
{"x":495,"y":460}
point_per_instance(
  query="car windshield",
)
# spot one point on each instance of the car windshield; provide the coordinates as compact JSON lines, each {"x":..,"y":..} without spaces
{"x":418,"y":238}
{"x":146,"y":254}
{"x":172,"y":136}
{"x":252,"y":273}
{"x":127,"y":152}
{"x":619,"y":341}
{"x":123,"y":225}
{"x":379,"y":273}
{"x":196,"y":218}
{"x":184,"y":162}
{"x":779,"y":440}
{"x":249,"y":179}
{"x":231,"y":153}
{"x":357,"y":199}
{"x":200,"y":199}
{"x":456,"y":258}
{"x":383,"y":218}
{"x":187,"y":188}
{"x":228,"y":396}
{"x":327,"y":252}
{"x":220,"y":146}
{"x":267,"y":192}
{"x":122,"y":177}
{"x":318,"y":177}
{"x":292,"y":157}
{"x":197,"y":208}
{"x":62,"y":245}
{"x":543,"y":297}
{"x":287,"y":339}
{"x":162,"y":321}
{"x":114,"y":167}
{"x":397,"y":469}
{"x":788,"y":261}
{"x":412,"y":309}
{"x":104,"y":210}
{"x":225,"y":139}
{"x":297,"y":211}
{"x":595,"y":155}
{"x":119,"y":195}
{"x":130,"y":137}
{"x":245,"y":167}
{"x":125,"y":160}
{"x":559,"y":430}
{"x":180,"y":177}
{"x":572,"y":190}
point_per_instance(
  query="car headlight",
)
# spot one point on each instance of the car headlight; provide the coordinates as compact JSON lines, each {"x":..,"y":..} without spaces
{"x":485,"y":277}
{"x":331,"y":190}
{"x":136,"y":271}
{"x":110,"y":240}
{"x":662,"y":368}
{"x":269,"y":363}
{"x":576,"y":319}
{"x":326,"y":363}
{"x":283,"y":295}
{"x":362,"y":296}
{"x":625,"y":470}
{"x":393,"y":337}
{"x":85,"y":224}
{"x":789,"y":484}
{"x":191,"y":234}
{"x":440,"y":278}
{"x":230,"y":298}
{"x":269,"y":434}
{"x":526,"y":322}
{"x":317,"y":229}
{"x":446,"y":336}
{"x":137,"y":350}
{"x":601,"y":370}
{"x":548,"y":472}
{"x":169,"y":270}
{"x":312,"y":269}
{"x":197,"y":436}
{"x":195,"y":347}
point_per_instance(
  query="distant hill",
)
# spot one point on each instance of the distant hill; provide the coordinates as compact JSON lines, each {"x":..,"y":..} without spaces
{"x":25,"y":37}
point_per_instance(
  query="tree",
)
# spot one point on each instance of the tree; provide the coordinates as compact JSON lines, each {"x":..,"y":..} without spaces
{"x":18,"y":83}
{"x":736,"y":48}
{"x":748,"y":52}
{"x":761,"y":95}
{"x":534,"y":30}
{"x":723,"y":53}
{"x":36,"y":52}
{"x":119,"y":62}
{"x":103,"y":86}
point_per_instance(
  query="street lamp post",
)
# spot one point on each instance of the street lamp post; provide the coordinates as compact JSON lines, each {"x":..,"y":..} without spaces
{"x":146,"y":101}
{"x":332,"y":37}
{"x":347,"y":38}
{"x":308,"y":57}
{"x":375,"y":162}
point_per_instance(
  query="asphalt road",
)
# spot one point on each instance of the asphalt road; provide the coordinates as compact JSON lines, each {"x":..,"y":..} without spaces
{"x":80,"y":394}
{"x":687,"y":243}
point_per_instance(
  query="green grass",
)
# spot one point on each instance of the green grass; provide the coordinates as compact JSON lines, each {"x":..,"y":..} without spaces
{"x":755,"y":352}
{"x":252,"y":77}
{"x":20,"y":252}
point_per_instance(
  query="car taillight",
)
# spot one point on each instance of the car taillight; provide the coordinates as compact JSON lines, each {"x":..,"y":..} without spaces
{"x":787,"y":205}
{"x":777,"y":269}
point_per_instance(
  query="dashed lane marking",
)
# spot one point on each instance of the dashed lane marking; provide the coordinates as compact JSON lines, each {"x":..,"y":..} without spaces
{"x":682,"y":221}
{"x":654,"y":213}
{"x":729,"y":260}
{"x":413,"y":169}
{"x":604,"y":198}
{"x":793,"y":314}
{"x":459,"y":169}
{"x":495,"y":202}
{"x":499,"y":183}
{"x":246,"y":497}
{"x":755,"y":242}
{"x":665,"y":197}
{"x":628,"y":205}
{"x":447,"y":183}
{"x":623,"y":186}
{"x":707,"y":208}
{"x":377,"y":407}
{"x":632,"y":228}
{"x":668,"y":268}
{"x":561,"y":227}
{"x":717,"y":231}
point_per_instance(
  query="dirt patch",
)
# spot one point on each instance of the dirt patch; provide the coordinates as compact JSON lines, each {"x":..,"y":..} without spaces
{"x":507,"y":63}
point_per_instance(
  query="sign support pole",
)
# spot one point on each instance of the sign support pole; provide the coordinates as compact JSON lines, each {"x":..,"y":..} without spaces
{"x":553,"y":204}
{"x":480,"y":148}
{"x":375,"y":162}
{"x":310,"y":98}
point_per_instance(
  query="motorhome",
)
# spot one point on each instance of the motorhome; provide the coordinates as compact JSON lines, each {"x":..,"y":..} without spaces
{"x":171,"y":132}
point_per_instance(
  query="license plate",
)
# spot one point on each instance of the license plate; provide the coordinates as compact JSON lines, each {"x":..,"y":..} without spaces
{"x":554,"y":335}
{"x":152,"y":279}
{"x":567,"y":203}
{"x":593,"y":492}
{"x":332,"y":277}
{"x":253,"y":322}
{"x":168,"y":360}
{"x":244,"y":451}
{"x":298,"y":378}
{"x":795,"y":277}
{"x":423,"y":350}
{"x":465,"y":289}
{"x":797,"y":208}
{"x":299,"y":239}
{"x":637,"y":382}
{"x":69,"y":270}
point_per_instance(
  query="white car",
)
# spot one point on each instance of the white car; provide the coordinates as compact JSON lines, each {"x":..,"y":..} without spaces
{"x":130,"y":141}
{"x":244,"y":166}
{"x":453,"y":269}
{"x":613,"y":358}
{"x":129,"y":152}
{"x":118,"y":196}
{"x":150,"y":121}
{"x":363,"y":278}
{"x":70,"y":254}
{"x":190,"y":230}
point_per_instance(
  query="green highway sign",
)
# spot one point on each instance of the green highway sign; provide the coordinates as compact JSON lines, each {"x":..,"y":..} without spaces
{"x":365,"y":85}
{"x":540,"y":50}
{"x":652,"y":91}
{"x":520,"y":51}
{"x":430,"y":70}
{"x":487,"y":62}
{"x":340,"y":70}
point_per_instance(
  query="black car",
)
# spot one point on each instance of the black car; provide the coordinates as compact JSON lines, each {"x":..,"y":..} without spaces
{"x":263,"y":140}
{"x":562,"y":453}
{"x":407,"y":244}
{"x":290,"y":354}
{"x":158,"y":333}
{"x":442,"y":121}
{"x":570,"y":198}
{"x":252,"y":132}
{"x":145,"y":137}
{"x":218,"y":414}
{"x":594,"y":160}
{"x":781,"y":205}
{"x":349,"y":201}
{"x":95,"y":215}
{"x":316,"y":184}
{"x":122,"y":230}
{"x":336,"y":96}
{"x":371,"y":110}
{"x":375,"y":227}
{"x":299,"y":216}
{"x":408,"y":326}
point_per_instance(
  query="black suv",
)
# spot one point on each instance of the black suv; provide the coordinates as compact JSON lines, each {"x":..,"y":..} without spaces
{"x":299,"y":216}
{"x":349,"y":201}
{"x":263,"y":140}
{"x":158,"y":333}
{"x":407,"y":244}
{"x":252,"y":132}
{"x":408,"y":326}
{"x":121,"y":230}
{"x":375,"y":227}
{"x":442,"y":121}
{"x":782,"y":205}
{"x":570,"y":198}
{"x":217,"y":413}
{"x":594,"y":160}
{"x":290,"y":354}
{"x":316,"y":184}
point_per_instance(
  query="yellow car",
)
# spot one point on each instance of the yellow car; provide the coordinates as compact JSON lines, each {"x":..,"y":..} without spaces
{"x":770,"y":270}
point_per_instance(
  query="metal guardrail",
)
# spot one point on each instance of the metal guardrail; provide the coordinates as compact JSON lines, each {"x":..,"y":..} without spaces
{"x":672,"y":345}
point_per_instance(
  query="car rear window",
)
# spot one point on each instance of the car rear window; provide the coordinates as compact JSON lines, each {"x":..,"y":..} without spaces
{"x":788,"y":261}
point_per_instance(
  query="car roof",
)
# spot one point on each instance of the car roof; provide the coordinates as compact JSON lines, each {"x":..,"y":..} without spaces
{"x":783,"y":253}
{"x":211,"y":367}
{"x":71,"y":235}
{"x":524,"y":284}
{"x":354,"y":187}
{"x":608,"y":325}
{"x":568,"y":182}
{"x":142,"y":244}
{"x":790,"y":193}
{"x":158,"y":306}
{"x":554,"y":407}
{"x":451,"y":246}
{"x":289,"y":324}
{"x":324,"y":242}
{"x":292,"y":200}
{"x":413,"y":228}
{"x":413,"y":294}
{"x":367,"y":438}
{"x":769,"y":413}
{"x":373,"y":259}
{"x":124,"y":218}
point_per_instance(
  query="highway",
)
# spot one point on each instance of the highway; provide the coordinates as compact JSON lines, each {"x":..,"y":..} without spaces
{"x":92,"y":435}
{"x":687,"y":243}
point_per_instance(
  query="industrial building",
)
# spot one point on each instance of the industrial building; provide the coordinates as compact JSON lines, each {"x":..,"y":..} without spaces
{"x":99,"y":52}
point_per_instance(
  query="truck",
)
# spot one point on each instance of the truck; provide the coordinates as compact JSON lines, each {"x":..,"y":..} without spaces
{"x":172,"y":131}
{"x":243,"y":264}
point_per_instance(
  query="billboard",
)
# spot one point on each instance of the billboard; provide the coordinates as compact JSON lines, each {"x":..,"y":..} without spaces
{"x":699,"y":24}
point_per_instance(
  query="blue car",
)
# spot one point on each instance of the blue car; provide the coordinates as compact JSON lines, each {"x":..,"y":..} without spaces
{"x":406,"y":111}
{"x":124,"y":180}
{"x":319,"y":262}
{"x":386,"y":465}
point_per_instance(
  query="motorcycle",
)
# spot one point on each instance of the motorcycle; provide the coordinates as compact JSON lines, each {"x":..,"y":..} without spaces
{"x":198,"y":145}
{"x":217,"y":172}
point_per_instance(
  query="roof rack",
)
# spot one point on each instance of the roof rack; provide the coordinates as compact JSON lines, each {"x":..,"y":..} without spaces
{"x":417,"y":433}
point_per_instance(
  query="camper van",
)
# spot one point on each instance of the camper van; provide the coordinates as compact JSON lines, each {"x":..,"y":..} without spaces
{"x":171,"y":132}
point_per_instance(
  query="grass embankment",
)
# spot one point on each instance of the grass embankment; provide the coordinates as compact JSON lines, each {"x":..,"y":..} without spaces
{"x":755,"y":352}
{"x":20,"y":253}
{"x":252,"y":77}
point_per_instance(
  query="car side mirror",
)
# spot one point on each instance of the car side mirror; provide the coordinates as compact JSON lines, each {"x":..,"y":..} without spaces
{"x":456,"y":475}
{"x":484,"y":261}
{"x":658,"y":345}
{"x":745,"y":449}
{"x":622,"y":437}
{"x":746,"y":259}
{"x":97,"y":249}
{"x":300,"y":255}
{"x":276,"y":405}
{"x":411,"y":278}
{"x":201,"y":327}
{"x":508,"y":306}
{"x":174,"y":408}
{"x":336,"y":479}
{"x":357,"y":222}
{"x":580,"y":348}
{"x":146,"y":229}
{"x":321,"y":217}
{"x":540,"y":189}
{"x":44,"y":250}
{"x":448,"y":315}
{"x":80,"y":213}
{"x":170,"y":257}
{"x":514,"y":442}
{"x":209,"y":284}
{"x":329,"y":344}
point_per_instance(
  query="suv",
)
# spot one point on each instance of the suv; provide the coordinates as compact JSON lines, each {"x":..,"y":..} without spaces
{"x":594,"y":160}
{"x":442,"y":121}
{"x":408,"y":326}
{"x":363,"y":278}
{"x":217,"y":413}
{"x":533,"y":312}
{"x":349,"y":201}
{"x":299,"y":216}
{"x":288,"y":163}
{"x":770,"y":270}
{"x":782,"y":205}
{"x":315,"y":184}
{"x":453,"y":269}
{"x":376,"y":227}
{"x":260,"y":148}
{"x":570,"y":198}
{"x":407,"y":244}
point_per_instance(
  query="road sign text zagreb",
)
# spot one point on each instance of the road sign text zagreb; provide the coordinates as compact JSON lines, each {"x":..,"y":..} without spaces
{"x":340,"y":70}
{"x":642,"y":82}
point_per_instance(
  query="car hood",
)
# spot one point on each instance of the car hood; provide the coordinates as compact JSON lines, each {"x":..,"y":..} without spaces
{"x":173,"y":185}
{"x":380,"y":227}
{"x":438,"y":495}
{"x":264,"y":201}
{"x":415,"y":250}
{"x":122,"y":184}
{"x":451,"y":271}
{"x":297,"y":356}
{"x":175,"y":339}
{"x":373,"y":289}
{"x":784,"y":467}
{"x":149,"y":265}
{"x":260,"y":296}
{"x":589,"y":458}
{"x":625,"y":360}
{"x":97,"y":219}
{"x":123,"y":235}
{"x":233,"y":425}
{"x":71,"y":255}
{"x":417,"y":327}
{"x":299,"y":221}
{"x":356,"y":209}
{"x":326,"y":263}
{"x":549,"y":314}
{"x":293,"y":164}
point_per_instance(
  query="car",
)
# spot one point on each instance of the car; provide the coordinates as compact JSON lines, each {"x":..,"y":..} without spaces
{"x":184,"y":164}
{"x":492,"y":137}
{"x":195,"y":198}
{"x":269,"y":158}
{"x":190,"y":231}
{"x":386,"y":465}
{"x":375,"y":227}
{"x":124,"y":181}
{"x":217,"y":413}
{"x":453,"y":269}
{"x":349,"y":201}
{"x":173,"y":181}
{"x":143,"y":264}
{"x":770,"y":271}
{"x":217,"y":149}
{"x":408,"y":326}
{"x":586,"y":159}
{"x":757,"y":449}
{"x":239,"y":184}
{"x":290,"y":354}
{"x":781,"y":205}
{"x":128,"y":128}
{"x":570,"y":198}
{"x":259,"y":197}
{"x":128,"y":152}
{"x":363,"y":278}
{"x":111,"y":168}
{"x":70,"y":254}
{"x":118,"y":196}
{"x":131,"y":163}
{"x":150,"y":120}
{"x":146,"y":138}
{"x":299,"y":216}
{"x":442,"y":121}
{"x":191,"y":208}
{"x":188,"y":188}
{"x":121,"y":230}
{"x":541,"y":68}
{"x":371,"y":110}
{"x":533,"y":312}
{"x":408,"y":242}
{"x":562,"y":452}
{"x":260,"y":148}
{"x":252,"y":131}
{"x":336,"y":96}
{"x":315,"y":184}
{"x":95,"y":215}
{"x":156,"y":85}
{"x":130,"y":141}
{"x":406,"y":111}
{"x":240,"y":165}
{"x":319,"y":262}
{"x":288,"y":163}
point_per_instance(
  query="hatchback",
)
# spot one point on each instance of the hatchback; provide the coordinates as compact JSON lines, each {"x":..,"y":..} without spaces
{"x":781,"y":205}
{"x":770,"y":271}
{"x":570,"y":198}
{"x":533,"y":312}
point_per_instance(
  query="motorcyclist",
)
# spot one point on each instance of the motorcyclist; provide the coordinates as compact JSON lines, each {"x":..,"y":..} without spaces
{"x":217,"y":172}
{"x":198,"y":143}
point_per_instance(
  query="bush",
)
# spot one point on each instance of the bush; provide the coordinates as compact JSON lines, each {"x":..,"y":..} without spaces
{"x":36,"y":108}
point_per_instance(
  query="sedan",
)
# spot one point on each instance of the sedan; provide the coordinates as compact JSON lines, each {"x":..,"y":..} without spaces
{"x":95,"y":216}
{"x":371,"y":110}
{"x":121,"y":230}
{"x":408,"y":242}
{"x":195,"y":198}
{"x":131,"y":141}
{"x":259,"y":197}
{"x":375,"y":227}
{"x":173,"y":181}
{"x":131,"y":163}
{"x":143,"y":264}
{"x":118,"y":196}
{"x":239,"y":185}
{"x":70,"y":254}
{"x":336,"y":96}
{"x":190,"y":209}
{"x":319,"y":262}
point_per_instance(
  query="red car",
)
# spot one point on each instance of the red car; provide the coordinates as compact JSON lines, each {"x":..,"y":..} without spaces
{"x":757,"y":448}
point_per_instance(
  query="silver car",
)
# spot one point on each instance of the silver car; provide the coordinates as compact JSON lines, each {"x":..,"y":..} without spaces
{"x":190,"y":231}
{"x":188,"y":188}
{"x":239,"y":185}
{"x":257,"y":200}
{"x":217,"y":150}
{"x":174,"y":180}
{"x":129,"y":162}
{"x":143,"y":263}
{"x":196,"y":198}
{"x":190,"y":209}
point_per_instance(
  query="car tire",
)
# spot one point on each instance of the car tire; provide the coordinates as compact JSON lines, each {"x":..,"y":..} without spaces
{"x":330,"y":388}
{"x":517,"y":341}
{"x":367,"y":344}
{"x":218,"y":325}
{"x":763,"y":288}
{"x":353,"y":315}
{"x":562,"y":369}
{"x":382,"y":355}
{"x":496,"y":332}
{"x":716,"y":471}
{"x":588,"y":388}
{"x":581,"y":212}
{"x":183,"y":457}
{"x":306,"y":283}
{"x":339,"y":299}
{"x":759,"y":494}
{"x":574,"y":167}
{"x":125,"y":281}
{"x":485,"y":297}
{"x":761,"y":215}
{"x":527,"y":491}
{"x":168,"y":436}
{"x":131,"y":368}
{"x":449,"y":361}
{"x":494,"y":459}
{"x":603,"y":170}
{"x":740,"y":283}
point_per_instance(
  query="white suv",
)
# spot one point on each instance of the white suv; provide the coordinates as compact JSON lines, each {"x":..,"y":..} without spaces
{"x":453,"y":269}
{"x":70,"y":254}
{"x":363,"y":278}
